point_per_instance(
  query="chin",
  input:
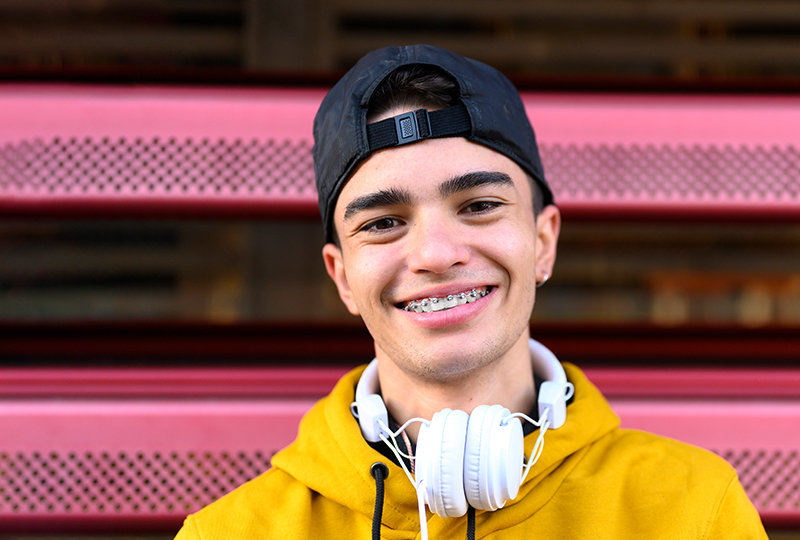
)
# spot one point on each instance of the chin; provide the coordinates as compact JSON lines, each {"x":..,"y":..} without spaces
{"x":446,"y":363}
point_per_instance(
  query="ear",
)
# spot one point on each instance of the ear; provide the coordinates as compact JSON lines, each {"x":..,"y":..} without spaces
{"x":548,"y":227}
{"x":334,"y":264}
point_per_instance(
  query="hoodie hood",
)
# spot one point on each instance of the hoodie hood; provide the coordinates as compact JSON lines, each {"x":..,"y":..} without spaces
{"x":331,"y":457}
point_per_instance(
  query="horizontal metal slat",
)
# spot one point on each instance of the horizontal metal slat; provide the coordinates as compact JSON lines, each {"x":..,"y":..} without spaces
{"x":213,"y":153}
{"x":116,"y":465}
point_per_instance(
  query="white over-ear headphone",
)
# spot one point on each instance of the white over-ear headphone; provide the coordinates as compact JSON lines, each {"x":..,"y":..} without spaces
{"x":469,"y":460}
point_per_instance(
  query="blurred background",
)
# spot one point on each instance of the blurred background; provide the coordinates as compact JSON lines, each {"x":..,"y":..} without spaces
{"x":660,"y":273}
{"x":679,"y":39}
{"x":89,"y":291}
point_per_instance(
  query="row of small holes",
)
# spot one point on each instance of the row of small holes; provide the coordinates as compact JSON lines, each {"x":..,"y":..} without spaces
{"x":88,"y":166}
{"x":674,"y":172}
{"x":771,"y":479}
{"x":180,"y":483}
{"x":122,"y":482}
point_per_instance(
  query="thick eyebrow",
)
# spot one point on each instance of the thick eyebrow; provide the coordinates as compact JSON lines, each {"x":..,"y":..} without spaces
{"x":471,"y":180}
{"x":396,"y":196}
{"x":378,"y":199}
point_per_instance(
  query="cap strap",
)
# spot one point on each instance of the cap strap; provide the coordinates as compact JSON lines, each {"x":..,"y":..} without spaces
{"x":418,"y":125}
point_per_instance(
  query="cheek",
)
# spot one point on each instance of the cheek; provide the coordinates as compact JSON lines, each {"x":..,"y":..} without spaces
{"x":516,"y":253}
{"x":369,"y":273}
{"x":516,"y":249}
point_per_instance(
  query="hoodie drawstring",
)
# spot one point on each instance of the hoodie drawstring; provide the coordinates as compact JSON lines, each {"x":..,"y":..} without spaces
{"x":379,"y":472}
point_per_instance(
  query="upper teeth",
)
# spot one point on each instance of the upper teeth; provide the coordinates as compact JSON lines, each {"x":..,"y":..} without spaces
{"x":450,"y":301}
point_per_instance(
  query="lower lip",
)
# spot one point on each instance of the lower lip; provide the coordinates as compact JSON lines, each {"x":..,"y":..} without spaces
{"x":451,"y":317}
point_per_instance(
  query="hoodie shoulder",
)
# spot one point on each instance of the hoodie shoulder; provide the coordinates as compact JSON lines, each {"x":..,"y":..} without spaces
{"x":242,"y":513}
{"x":289,"y":500}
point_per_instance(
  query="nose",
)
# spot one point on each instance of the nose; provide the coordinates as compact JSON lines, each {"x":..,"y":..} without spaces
{"x":435,"y":246}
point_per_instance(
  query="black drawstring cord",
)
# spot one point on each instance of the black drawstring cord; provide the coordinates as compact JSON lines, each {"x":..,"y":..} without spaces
{"x":379,"y":472}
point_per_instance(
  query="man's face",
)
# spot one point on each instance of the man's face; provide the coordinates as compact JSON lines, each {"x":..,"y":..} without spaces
{"x":432,"y":219}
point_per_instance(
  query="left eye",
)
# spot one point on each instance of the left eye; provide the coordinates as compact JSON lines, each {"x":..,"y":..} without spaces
{"x":478,"y":207}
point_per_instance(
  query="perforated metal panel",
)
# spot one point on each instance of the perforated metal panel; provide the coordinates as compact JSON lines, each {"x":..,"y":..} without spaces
{"x":119,"y":484}
{"x":674,"y":173}
{"x":271,"y":170}
{"x":136,"y":167}
{"x":152,"y":483}
{"x":770,"y":478}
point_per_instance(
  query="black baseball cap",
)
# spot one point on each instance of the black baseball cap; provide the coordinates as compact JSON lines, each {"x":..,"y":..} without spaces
{"x":490,"y":113}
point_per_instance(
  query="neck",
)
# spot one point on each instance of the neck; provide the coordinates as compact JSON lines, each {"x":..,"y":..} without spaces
{"x":508,"y":381}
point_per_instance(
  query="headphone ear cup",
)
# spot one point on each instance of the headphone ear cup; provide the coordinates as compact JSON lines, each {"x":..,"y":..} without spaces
{"x":472,"y":456}
{"x":440,"y":462}
{"x":493,"y":457}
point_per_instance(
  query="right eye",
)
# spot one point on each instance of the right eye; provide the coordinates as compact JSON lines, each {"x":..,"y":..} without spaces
{"x":381,"y":224}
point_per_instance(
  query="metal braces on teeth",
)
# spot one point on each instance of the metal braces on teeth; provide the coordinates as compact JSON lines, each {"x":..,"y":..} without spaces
{"x":426,"y":305}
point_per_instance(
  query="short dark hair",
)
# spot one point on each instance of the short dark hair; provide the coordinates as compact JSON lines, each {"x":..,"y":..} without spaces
{"x":413,"y":87}
{"x":418,"y":86}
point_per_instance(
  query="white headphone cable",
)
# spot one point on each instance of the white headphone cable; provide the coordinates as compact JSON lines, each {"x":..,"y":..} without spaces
{"x":423,"y":516}
{"x":419,"y":487}
{"x":395,"y":448}
{"x":543,"y":423}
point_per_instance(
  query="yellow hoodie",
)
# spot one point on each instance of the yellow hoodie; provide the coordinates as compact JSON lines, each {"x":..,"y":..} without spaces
{"x":593,"y":480}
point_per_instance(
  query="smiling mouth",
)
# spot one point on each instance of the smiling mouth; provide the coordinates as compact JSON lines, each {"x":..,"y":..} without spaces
{"x":427,"y":305}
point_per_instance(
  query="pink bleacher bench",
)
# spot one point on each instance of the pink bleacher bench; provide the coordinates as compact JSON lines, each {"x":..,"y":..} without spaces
{"x":143,"y":151}
{"x":136,"y":449}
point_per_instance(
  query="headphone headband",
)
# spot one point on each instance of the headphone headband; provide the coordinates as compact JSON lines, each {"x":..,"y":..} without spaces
{"x":372,"y":414}
{"x":552,"y":393}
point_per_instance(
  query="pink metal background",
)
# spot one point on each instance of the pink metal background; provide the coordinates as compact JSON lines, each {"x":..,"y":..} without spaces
{"x":242,"y":152}
{"x":135,"y":450}
{"x":48,"y":111}
{"x":301,"y":383}
{"x":138,"y":449}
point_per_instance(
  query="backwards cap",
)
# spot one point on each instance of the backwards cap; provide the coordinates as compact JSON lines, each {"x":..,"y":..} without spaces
{"x":491,"y":113}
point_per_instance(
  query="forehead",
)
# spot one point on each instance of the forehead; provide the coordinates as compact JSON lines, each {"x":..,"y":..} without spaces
{"x":420,"y":168}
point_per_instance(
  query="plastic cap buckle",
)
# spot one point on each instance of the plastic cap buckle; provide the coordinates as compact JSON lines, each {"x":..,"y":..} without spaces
{"x":407,"y":126}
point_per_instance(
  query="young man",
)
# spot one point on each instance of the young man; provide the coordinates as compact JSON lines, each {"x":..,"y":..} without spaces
{"x":440,"y":227}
